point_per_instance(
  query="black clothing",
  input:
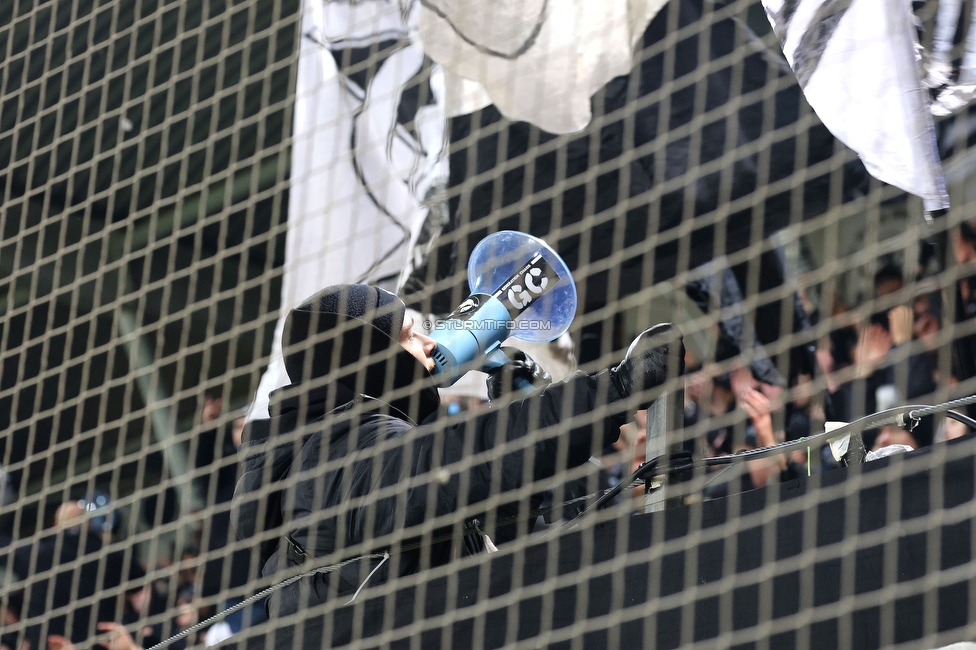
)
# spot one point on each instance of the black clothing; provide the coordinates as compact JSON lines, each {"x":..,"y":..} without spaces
{"x":63,"y":548}
{"x":313,"y":471}
{"x":222,"y":570}
{"x":215,"y":444}
{"x":797,"y":424}
{"x":842,"y":343}
{"x":360,"y":311}
{"x":647,"y":361}
{"x":158,"y":604}
{"x":964,"y":347}
{"x":363,"y":423}
{"x":330,"y":334}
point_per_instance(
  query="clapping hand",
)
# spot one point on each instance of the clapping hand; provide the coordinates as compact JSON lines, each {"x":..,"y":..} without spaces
{"x":871,"y":349}
{"x":900,"y":322}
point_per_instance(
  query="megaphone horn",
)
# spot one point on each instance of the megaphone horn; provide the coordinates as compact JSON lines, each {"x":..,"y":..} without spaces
{"x":519,"y":287}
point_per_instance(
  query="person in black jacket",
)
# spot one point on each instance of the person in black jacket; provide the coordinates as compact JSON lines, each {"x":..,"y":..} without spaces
{"x":81,"y":570}
{"x":351,"y":463}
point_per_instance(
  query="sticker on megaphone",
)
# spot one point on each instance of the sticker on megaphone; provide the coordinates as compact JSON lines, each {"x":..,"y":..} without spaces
{"x":530,"y":282}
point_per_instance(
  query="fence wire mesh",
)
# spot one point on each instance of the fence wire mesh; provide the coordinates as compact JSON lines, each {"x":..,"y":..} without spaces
{"x":164,"y":168}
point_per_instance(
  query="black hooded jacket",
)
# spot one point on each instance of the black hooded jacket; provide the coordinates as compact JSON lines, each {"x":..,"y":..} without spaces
{"x":333,"y":469}
{"x":341,"y":440}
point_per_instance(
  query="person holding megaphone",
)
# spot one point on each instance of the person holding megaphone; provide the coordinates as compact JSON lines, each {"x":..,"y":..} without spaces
{"x":352,"y":452}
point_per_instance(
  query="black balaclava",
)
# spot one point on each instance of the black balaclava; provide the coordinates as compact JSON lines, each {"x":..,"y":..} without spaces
{"x":364,"y":321}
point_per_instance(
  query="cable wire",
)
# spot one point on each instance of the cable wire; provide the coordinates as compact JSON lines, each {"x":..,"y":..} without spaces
{"x":965,"y":419}
{"x":922,"y":411}
{"x":264,"y":593}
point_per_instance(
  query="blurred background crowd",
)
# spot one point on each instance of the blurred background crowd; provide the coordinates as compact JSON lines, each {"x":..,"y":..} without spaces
{"x":78,"y":573}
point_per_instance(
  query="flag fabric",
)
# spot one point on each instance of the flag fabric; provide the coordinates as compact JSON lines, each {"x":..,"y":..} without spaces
{"x":939,"y":64}
{"x":536,"y":60}
{"x":957,"y":93}
{"x":368,"y":152}
{"x":855,"y":60}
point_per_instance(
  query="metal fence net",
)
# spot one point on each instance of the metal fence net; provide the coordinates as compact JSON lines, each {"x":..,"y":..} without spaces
{"x":178,"y":177}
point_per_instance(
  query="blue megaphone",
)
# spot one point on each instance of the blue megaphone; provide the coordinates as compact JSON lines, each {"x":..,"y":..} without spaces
{"x":520,"y":288}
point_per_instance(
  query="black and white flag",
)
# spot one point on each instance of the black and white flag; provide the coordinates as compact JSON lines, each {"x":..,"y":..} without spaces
{"x":367,"y":154}
{"x":956,"y":92}
{"x":855,"y":60}
{"x":536,"y":60}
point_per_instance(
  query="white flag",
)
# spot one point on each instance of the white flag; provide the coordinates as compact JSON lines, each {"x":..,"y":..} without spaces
{"x":536,"y":60}
{"x":855,"y":60}
{"x":359,"y":176}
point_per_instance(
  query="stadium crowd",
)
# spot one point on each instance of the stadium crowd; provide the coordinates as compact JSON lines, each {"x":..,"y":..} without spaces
{"x":885,"y":360}
{"x":71,"y":551}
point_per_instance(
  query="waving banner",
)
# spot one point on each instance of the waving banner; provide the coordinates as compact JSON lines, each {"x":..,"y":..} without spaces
{"x":535,"y":60}
{"x":367,"y":154}
{"x":855,"y":60}
{"x":956,"y":93}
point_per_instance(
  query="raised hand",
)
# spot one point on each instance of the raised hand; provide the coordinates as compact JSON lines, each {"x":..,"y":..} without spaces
{"x":871,"y":349}
{"x":760,"y":410}
{"x":117,"y":637}
{"x":900,"y":322}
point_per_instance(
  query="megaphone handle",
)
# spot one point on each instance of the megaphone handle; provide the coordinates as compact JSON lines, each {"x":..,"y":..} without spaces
{"x":496,"y":359}
{"x":524,"y":385}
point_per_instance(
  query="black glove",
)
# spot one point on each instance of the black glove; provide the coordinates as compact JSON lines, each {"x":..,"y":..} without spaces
{"x":645,"y":365}
{"x":503,"y":380}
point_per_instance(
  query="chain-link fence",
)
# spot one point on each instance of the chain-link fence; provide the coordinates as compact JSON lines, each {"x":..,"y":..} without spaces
{"x":178,"y":177}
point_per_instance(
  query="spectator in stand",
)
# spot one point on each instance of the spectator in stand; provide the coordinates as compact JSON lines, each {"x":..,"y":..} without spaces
{"x":712,"y":398}
{"x":881,"y":379}
{"x":10,"y":612}
{"x":76,"y":534}
{"x":140,"y":603}
{"x":187,"y":575}
{"x":187,"y":616}
{"x":632,"y":448}
{"x":803,"y":416}
{"x":927,"y":311}
{"x":835,"y":355}
{"x":894,"y":435}
{"x":964,"y":347}
{"x":843,"y":340}
{"x":888,"y":280}
{"x":114,"y":637}
{"x":216,"y":455}
{"x":215,"y":446}
{"x":741,"y":390}
{"x":951,"y":429}
{"x":758,"y":399}
{"x":760,"y":434}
